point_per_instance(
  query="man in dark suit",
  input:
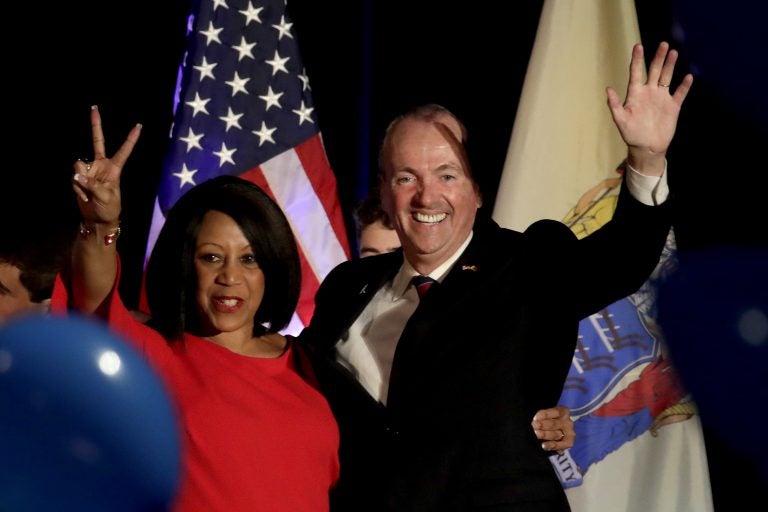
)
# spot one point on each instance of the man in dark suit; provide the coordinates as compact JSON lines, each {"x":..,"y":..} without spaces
{"x":434,"y":386}
{"x":376,"y":235}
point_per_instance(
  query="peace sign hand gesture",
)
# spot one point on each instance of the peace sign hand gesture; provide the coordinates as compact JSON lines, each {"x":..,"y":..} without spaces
{"x":97,"y":184}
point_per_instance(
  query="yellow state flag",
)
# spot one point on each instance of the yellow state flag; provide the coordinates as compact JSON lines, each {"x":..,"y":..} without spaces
{"x":639,"y":444}
{"x":563,"y":129}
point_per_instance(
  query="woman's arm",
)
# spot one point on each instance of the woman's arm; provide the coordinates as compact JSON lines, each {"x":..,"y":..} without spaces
{"x":97,"y":187}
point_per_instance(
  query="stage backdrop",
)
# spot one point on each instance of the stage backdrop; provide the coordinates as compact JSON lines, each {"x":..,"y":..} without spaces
{"x":639,"y":444}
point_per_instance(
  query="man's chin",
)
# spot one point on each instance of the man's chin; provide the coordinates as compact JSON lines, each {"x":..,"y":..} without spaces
{"x":424,"y":250}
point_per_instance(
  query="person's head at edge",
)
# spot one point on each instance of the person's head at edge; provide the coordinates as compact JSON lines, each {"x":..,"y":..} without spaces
{"x":29,"y":264}
{"x":375,"y":233}
{"x":427,"y":186}
{"x":224,"y":234}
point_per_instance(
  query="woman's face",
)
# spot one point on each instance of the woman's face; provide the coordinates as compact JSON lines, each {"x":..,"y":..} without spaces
{"x":230,"y":284}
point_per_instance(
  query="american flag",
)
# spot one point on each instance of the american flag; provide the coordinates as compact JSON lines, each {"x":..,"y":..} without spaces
{"x":244,"y":108}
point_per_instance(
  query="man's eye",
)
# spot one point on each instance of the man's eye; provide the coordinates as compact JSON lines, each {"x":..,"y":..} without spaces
{"x":401,"y":180}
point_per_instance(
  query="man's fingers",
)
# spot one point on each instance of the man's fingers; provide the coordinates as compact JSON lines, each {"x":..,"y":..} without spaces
{"x":657,"y":63}
{"x":636,"y":66}
{"x":665,"y":77}
{"x":553,"y":424}
{"x":682,"y":90}
{"x":616,"y":107}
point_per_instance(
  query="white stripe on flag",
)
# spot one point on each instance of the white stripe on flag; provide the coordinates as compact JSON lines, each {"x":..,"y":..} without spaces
{"x":158,"y":219}
{"x":295,"y":195}
{"x":294,"y":327}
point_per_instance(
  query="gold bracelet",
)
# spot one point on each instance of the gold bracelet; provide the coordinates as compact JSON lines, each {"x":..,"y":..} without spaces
{"x":109,"y":238}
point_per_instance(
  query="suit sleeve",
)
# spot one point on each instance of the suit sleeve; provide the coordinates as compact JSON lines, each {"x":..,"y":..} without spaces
{"x":617,"y":259}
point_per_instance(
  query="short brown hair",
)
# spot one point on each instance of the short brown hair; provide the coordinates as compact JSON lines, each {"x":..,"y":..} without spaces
{"x":369,"y":211}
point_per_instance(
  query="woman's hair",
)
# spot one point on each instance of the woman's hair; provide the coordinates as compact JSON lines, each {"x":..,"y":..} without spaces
{"x":171,"y":276}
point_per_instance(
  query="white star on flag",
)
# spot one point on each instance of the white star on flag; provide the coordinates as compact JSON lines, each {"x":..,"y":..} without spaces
{"x":185,"y":176}
{"x":304,"y":113}
{"x":231,"y":119}
{"x":244,"y":49}
{"x":272,"y":99}
{"x":198,"y":105}
{"x":265,"y":134}
{"x":251,"y":14}
{"x":278,"y":63}
{"x":193,"y":140}
{"x":238,"y":84}
{"x":206,"y":69}
{"x":283,"y":28}
{"x":212,"y":34}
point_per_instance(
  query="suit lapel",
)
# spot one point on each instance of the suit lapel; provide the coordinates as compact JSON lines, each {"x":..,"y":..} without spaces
{"x":372,"y":280}
{"x":351,"y":296}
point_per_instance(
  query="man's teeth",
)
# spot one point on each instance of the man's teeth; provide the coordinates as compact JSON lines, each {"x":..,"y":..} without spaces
{"x":431,"y":219}
{"x":230,"y":303}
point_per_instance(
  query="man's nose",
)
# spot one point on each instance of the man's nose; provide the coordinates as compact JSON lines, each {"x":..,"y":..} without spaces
{"x":426,"y":193}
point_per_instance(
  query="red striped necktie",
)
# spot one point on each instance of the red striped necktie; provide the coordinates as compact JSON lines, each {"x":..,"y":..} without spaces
{"x":422,"y":284}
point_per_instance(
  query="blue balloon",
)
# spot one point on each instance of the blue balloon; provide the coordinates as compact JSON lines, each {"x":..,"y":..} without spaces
{"x":714,"y":314}
{"x":85,"y":423}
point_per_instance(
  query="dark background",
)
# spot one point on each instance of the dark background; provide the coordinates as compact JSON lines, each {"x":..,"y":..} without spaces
{"x":367,"y":61}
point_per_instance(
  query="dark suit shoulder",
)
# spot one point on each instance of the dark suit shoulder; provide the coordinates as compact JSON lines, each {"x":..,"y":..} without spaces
{"x":363,"y":268}
{"x":542,"y":235}
{"x":547,"y":227}
{"x":486,"y":228}
{"x":548,"y":232}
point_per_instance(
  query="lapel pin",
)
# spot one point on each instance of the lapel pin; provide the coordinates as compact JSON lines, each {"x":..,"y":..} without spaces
{"x":473,"y":268}
{"x":364,"y":288}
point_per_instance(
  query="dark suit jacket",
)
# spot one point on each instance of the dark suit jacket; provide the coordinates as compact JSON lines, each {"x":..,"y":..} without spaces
{"x":485,"y":349}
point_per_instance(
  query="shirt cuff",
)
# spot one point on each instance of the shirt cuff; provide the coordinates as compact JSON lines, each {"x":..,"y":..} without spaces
{"x":649,"y":190}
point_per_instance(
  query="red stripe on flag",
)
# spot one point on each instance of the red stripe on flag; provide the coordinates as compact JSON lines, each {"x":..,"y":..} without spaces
{"x":309,"y":285}
{"x":309,"y":281}
{"x":256,"y":176}
{"x":315,"y":163}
